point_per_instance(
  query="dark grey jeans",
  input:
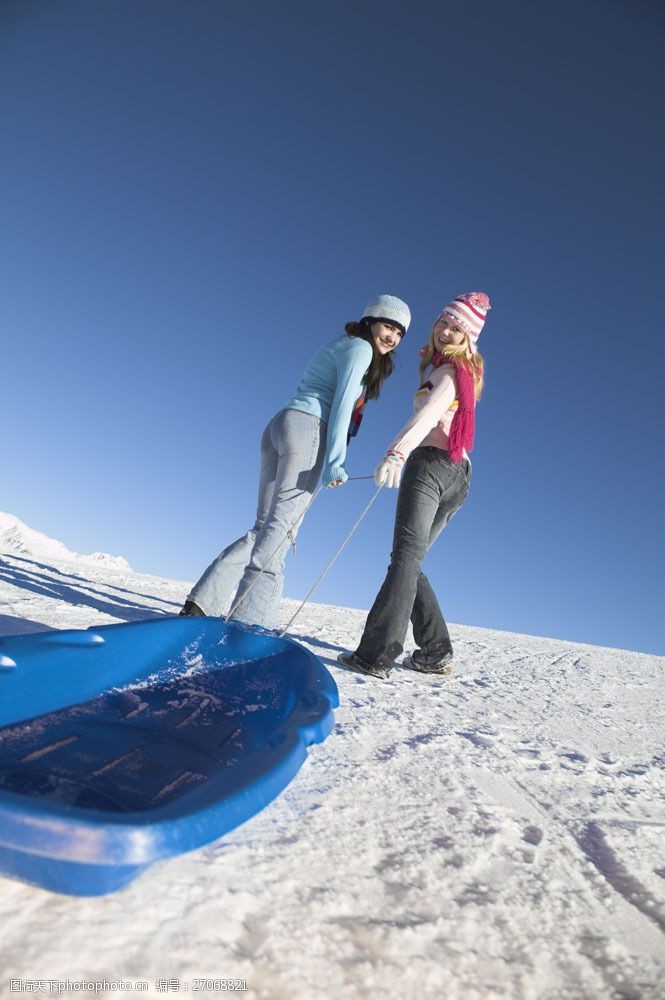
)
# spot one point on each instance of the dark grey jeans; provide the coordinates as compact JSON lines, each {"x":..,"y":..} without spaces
{"x":433,"y":488}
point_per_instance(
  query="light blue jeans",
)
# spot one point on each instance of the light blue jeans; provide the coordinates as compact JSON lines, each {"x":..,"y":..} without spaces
{"x":293,"y":449}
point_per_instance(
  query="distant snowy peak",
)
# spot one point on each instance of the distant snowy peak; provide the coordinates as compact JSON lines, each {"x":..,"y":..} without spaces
{"x":17,"y":537}
{"x":104,"y":559}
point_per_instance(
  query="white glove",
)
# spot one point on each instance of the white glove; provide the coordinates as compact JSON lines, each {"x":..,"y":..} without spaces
{"x":389,"y":471}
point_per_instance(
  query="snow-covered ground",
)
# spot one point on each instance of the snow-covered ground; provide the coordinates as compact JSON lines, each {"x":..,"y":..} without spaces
{"x":496,"y":833}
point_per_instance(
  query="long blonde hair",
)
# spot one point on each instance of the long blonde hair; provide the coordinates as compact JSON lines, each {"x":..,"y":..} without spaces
{"x":460,"y":354}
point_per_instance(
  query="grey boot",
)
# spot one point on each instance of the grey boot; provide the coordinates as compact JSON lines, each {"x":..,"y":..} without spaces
{"x":192,"y":610}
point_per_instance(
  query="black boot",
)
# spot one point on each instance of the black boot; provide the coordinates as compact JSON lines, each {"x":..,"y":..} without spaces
{"x":192,"y":610}
{"x":440,"y":665}
{"x":354,"y":662}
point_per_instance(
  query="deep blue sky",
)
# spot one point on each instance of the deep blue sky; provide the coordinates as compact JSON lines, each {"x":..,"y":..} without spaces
{"x":197,"y":195}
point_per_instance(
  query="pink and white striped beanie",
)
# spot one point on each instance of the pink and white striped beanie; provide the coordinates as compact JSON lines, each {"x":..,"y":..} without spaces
{"x":469,"y":310}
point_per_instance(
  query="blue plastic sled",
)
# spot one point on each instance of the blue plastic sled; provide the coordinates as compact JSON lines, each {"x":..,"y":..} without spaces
{"x":130,"y":743}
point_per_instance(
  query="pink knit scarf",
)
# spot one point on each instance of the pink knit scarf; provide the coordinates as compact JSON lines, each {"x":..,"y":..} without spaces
{"x":463,"y":427}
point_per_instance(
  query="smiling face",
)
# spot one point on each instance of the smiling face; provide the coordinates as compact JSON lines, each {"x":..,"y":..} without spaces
{"x":386,"y":336}
{"x":446,"y":332}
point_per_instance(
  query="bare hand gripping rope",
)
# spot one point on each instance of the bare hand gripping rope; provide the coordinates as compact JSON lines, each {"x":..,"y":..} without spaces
{"x":289,"y":534}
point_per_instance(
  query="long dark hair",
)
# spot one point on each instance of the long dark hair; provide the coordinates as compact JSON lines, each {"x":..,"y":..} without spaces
{"x":382,"y":364}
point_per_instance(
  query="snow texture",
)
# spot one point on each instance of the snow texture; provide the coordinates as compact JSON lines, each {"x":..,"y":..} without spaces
{"x":495,"y":833}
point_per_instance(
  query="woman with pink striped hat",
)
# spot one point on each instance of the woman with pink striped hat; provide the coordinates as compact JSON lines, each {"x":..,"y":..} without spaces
{"x":432,"y":449}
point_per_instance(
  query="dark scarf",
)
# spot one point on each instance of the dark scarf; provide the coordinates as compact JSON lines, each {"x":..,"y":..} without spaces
{"x":356,"y":416}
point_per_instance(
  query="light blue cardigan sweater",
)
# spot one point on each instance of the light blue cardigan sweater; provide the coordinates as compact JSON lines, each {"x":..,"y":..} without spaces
{"x":328,"y":389}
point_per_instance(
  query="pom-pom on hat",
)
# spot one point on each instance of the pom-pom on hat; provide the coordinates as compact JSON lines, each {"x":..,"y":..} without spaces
{"x":390,"y":309}
{"x":469,"y":311}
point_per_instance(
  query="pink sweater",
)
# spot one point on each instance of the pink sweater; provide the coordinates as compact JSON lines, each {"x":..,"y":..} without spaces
{"x":434,"y":407}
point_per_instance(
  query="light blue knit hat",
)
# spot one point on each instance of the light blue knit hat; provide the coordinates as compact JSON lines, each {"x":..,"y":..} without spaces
{"x":389,"y":308}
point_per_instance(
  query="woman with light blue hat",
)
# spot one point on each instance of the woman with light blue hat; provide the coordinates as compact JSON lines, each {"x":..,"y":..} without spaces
{"x":304,"y":442}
